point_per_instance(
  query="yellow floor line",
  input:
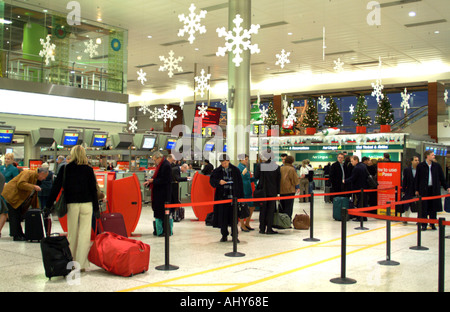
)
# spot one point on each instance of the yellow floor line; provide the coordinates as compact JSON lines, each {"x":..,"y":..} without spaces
{"x":163,"y":283}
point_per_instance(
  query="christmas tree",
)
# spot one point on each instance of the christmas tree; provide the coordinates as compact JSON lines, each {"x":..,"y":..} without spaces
{"x":333,"y":117}
{"x":272,"y":118}
{"x":361,"y":117}
{"x":385,"y":112}
{"x":311,"y":118}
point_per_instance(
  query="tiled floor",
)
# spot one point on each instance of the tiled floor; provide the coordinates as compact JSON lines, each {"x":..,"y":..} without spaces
{"x":272,"y":263}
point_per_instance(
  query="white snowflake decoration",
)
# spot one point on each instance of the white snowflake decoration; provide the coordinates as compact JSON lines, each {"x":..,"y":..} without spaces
{"x":264,"y":112}
{"x":48,"y":50}
{"x":378,"y":90}
{"x":338,"y":65}
{"x":224,"y":102}
{"x":202,"y":83}
{"x":144,"y":108}
{"x":154,"y":114}
{"x":446,"y":96}
{"x":167,"y":114}
{"x":405,"y":101}
{"x":181,"y":104}
{"x":323,"y":103}
{"x":171,"y":63}
{"x":91,"y":48}
{"x":291,"y":118}
{"x":352,"y":109}
{"x":283,"y":58}
{"x":238,"y":40}
{"x":192,"y":23}
{"x":133,"y":125}
{"x":142,"y":76}
{"x":203,"y":110}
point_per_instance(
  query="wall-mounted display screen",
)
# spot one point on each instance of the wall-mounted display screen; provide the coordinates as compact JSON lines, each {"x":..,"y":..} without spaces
{"x":171,"y":143}
{"x":99,"y":140}
{"x":209,"y":146}
{"x":149,"y":142}
{"x":6,"y":136}
{"x":70,"y":138}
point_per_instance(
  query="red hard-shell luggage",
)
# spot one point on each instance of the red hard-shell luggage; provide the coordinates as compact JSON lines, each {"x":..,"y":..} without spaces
{"x":113,"y":222}
{"x":120,"y":255}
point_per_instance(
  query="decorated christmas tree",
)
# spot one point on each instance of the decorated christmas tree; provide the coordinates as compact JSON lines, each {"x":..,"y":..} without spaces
{"x":333,"y":117}
{"x":385,"y":112}
{"x":311,"y":118}
{"x":272,"y":118}
{"x":361,"y":117}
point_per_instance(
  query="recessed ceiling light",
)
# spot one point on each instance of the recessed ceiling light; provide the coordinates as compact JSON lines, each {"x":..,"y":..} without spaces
{"x":412,"y":13}
{"x":149,"y":37}
{"x":290,"y":34}
{"x":437,"y":32}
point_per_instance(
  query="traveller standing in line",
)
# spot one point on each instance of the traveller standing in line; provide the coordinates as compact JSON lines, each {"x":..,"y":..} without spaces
{"x":80,"y":191}
{"x":248,"y":191}
{"x":289,"y":179}
{"x":227,"y":181}
{"x":429,"y":179}
{"x":304,"y":182}
{"x":338,"y":173}
{"x":409,"y":185}
{"x":357,"y":181}
{"x":207,"y":168}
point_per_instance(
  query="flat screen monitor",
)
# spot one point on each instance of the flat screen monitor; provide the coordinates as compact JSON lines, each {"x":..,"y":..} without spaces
{"x":149,"y":142}
{"x":6,"y":135}
{"x":209,"y":146}
{"x":70,"y":138}
{"x":224,"y":147}
{"x":99,"y":140}
{"x":171,"y":143}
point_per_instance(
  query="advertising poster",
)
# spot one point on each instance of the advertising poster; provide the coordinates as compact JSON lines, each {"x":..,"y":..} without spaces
{"x":389,"y":175}
{"x":35,"y":164}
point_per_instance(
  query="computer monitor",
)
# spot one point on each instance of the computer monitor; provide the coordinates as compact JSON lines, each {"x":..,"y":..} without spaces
{"x":148,"y":142}
{"x":43,"y":137}
{"x":70,"y":138}
{"x":95,"y":138}
{"x":6,"y":134}
{"x":209,"y":146}
{"x":122,"y":140}
{"x":171,"y":143}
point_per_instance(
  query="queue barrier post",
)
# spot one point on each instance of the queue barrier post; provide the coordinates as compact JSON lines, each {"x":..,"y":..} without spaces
{"x":311,"y":223}
{"x":234,"y":231}
{"x":361,"y":219}
{"x":388,"y":260}
{"x":419,"y":230}
{"x":441,"y":272}
{"x":343,"y":280}
{"x":167,"y":266}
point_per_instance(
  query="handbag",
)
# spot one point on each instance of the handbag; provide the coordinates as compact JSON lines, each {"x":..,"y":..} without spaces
{"x":302,"y":221}
{"x":281,"y":220}
{"x":243,"y":211}
{"x":61,"y":204}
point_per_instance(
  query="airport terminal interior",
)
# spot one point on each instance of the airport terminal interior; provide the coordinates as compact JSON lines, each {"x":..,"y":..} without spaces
{"x":195,"y":80}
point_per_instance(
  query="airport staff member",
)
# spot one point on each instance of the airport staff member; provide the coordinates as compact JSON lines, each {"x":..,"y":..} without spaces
{"x":8,"y":170}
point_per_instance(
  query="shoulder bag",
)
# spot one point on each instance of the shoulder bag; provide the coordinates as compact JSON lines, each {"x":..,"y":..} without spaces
{"x":371,"y":181}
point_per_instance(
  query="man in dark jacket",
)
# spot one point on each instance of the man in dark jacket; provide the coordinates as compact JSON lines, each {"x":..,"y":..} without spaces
{"x":208,"y":168}
{"x":227,"y":181}
{"x":409,"y":185}
{"x":337,"y":174}
{"x":268,"y":174}
{"x":358,"y":180}
{"x":429,"y":179}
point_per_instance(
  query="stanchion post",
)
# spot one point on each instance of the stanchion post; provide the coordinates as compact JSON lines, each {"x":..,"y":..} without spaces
{"x":234,"y":231}
{"x":419,"y":230}
{"x":441,"y":255}
{"x":167,"y":266}
{"x":388,"y":260}
{"x":361,"y":220}
{"x":343,"y":279}
{"x":311,"y":218}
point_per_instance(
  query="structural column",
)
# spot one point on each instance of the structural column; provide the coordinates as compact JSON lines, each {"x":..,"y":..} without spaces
{"x":238,"y":117}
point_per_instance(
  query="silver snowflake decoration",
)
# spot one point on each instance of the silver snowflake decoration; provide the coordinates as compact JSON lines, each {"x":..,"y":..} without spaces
{"x":203,"y":110}
{"x":352,"y":109}
{"x":338,"y":65}
{"x":142,"y":76}
{"x":405,"y":101}
{"x":48,"y":50}
{"x":292,"y":116}
{"x":264,"y":112}
{"x":154,"y":114}
{"x":202,"y":83}
{"x":133,"y":125}
{"x":91,"y":48}
{"x":238,"y":40}
{"x":167,"y":114}
{"x":144,"y":108}
{"x":446,"y":96}
{"x":378,"y":90}
{"x":171,"y":63}
{"x":192,"y":23}
{"x":323,"y":103}
{"x":283,"y":58}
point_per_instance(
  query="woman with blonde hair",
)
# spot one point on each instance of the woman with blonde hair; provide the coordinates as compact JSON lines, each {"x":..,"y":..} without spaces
{"x":80,"y":192}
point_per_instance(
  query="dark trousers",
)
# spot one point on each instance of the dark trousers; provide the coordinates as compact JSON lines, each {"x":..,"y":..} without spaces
{"x":227,"y":221}
{"x":427,"y":206}
{"x":15,"y":217}
{"x":287,"y":205}
{"x":266,"y":216}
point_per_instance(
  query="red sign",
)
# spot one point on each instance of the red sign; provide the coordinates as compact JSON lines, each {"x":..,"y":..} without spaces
{"x":389,"y":175}
{"x":35,"y":164}
{"x":211,"y":118}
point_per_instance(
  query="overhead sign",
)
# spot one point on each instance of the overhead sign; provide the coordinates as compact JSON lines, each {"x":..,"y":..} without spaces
{"x":212,"y":117}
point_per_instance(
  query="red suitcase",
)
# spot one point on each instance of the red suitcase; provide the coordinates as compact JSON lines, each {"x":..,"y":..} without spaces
{"x":113,"y":222}
{"x":120,"y":255}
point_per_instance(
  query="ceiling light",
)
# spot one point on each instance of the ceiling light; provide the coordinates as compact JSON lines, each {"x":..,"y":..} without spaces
{"x":149,"y":37}
{"x":412,"y":13}
{"x":290,"y":34}
{"x":3,"y":21}
{"x":437,"y":32}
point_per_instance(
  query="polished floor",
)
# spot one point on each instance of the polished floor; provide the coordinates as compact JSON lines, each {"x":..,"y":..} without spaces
{"x":272,"y":263}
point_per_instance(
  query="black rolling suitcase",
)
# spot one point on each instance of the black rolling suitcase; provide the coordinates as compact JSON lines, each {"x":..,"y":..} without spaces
{"x":33,"y":225}
{"x":56,"y":255}
{"x":178,"y":215}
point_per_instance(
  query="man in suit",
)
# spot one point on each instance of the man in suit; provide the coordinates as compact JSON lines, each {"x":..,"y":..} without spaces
{"x":429,"y":179}
{"x":338,"y":174}
{"x":208,"y":168}
{"x":409,"y":185}
{"x":358,"y":180}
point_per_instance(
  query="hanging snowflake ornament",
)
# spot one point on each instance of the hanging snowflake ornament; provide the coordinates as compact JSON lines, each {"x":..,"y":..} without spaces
{"x":446,"y":96}
{"x":378,"y":90}
{"x":264,"y":113}
{"x":171,"y":63}
{"x":154,"y":114}
{"x":224,"y":102}
{"x":203,"y":110}
{"x":48,"y":50}
{"x":338,"y":65}
{"x":323,"y":103}
{"x":405,"y":101}
{"x":142,"y":76}
{"x":238,"y":40}
{"x":144,"y":108}
{"x":202,"y":83}
{"x":167,"y":114}
{"x":283,"y":58}
{"x":352,"y":109}
{"x":133,"y":125}
{"x":192,"y":23}
{"x":91,"y":48}
{"x":292,"y":116}
{"x":181,"y":104}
